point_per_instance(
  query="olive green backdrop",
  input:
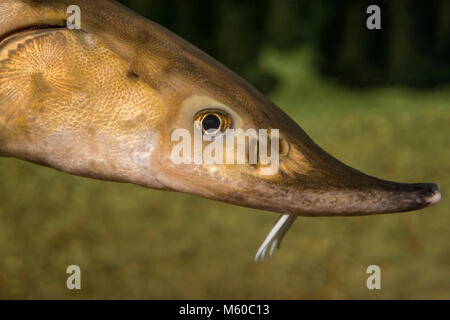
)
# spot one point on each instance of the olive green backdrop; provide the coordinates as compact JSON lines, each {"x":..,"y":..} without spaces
{"x":412,"y":48}
{"x":377,"y":100}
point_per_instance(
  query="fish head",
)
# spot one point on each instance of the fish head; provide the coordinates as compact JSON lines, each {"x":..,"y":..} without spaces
{"x":124,"y":99}
{"x":289,"y":172}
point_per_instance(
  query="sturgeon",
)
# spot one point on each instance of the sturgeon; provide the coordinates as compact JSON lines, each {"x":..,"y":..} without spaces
{"x":103,"y":101}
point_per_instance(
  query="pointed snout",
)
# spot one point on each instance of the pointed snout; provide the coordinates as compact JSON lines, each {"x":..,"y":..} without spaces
{"x":333,"y":188}
{"x":324,"y":186}
{"x":416,"y":196}
{"x":383,"y":197}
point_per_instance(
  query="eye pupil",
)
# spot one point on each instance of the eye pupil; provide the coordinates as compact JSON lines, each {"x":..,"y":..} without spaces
{"x":211,"y":122}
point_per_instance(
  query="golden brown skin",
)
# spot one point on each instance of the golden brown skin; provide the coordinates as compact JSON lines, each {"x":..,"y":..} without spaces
{"x":103,"y":101}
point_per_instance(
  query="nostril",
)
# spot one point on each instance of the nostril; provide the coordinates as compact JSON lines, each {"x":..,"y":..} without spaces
{"x":283,"y":147}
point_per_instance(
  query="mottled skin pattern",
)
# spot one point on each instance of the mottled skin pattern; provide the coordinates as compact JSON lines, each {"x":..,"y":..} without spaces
{"x":102,"y":102}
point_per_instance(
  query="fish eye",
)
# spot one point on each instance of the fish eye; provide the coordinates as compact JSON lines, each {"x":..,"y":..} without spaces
{"x":212,"y":121}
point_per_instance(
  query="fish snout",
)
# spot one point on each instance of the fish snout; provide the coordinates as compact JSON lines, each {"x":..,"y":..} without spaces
{"x":382,"y":197}
{"x":417,"y":195}
{"x":317,"y":184}
{"x":398,"y":197}
{"x":434,"y":195}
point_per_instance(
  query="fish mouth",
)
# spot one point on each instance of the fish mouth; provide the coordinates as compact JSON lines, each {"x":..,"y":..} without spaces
{"x":22,"y":31}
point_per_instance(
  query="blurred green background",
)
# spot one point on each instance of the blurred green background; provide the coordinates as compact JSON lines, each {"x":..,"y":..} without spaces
{"x":377,"y":100}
